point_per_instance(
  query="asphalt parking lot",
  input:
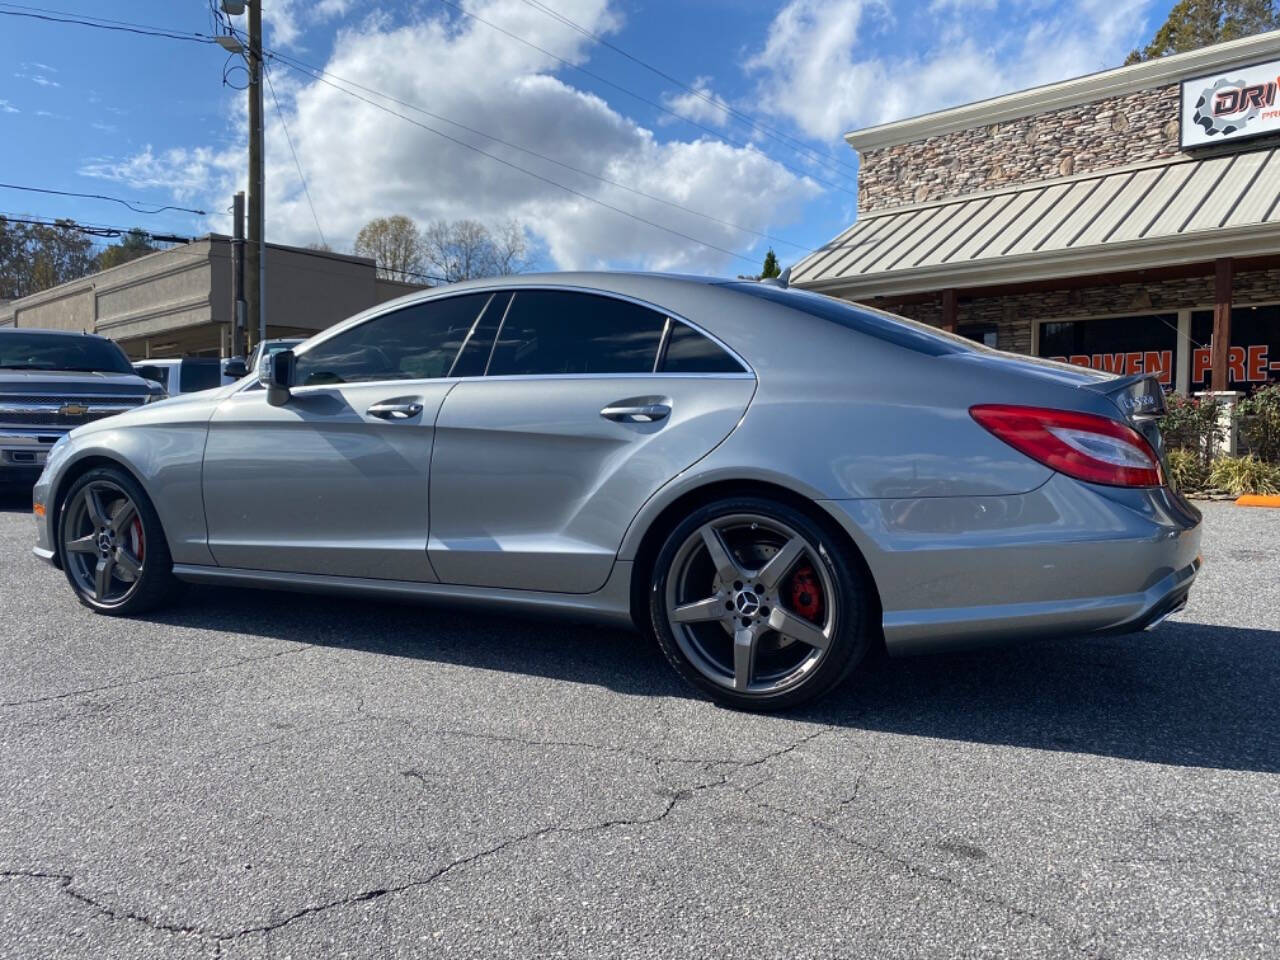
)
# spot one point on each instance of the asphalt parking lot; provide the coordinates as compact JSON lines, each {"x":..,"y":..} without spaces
{"x":270,"y":775}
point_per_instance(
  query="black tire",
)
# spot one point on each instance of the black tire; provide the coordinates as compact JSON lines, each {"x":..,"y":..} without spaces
{"x":849,"y":624}
{"x":155,"y":585}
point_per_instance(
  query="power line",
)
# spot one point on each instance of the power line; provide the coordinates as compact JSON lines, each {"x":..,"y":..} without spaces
{"x":524,"y":170}
{"x":750,"y":121}
{"x":93,"y":230}
{"x":643,"y":99}
{"x":289,"y":60}
{"x":118,"y":26}
{"x":280,"y":113}
{"x":100,"y":196}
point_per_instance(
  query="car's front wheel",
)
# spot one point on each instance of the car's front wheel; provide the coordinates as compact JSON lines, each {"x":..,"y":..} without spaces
{"x":112,"y":547}
{"x":758,"y":605}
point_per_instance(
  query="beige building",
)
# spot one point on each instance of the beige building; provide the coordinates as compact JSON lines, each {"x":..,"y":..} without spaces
{"x":1127,"y":220}
{"x":178,"y":302}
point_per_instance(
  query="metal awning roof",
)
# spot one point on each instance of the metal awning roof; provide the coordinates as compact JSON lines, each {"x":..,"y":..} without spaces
{"x":1136,"y":218}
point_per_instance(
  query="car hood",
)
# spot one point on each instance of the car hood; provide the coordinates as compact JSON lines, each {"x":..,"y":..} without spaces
{"x":72,"y":383}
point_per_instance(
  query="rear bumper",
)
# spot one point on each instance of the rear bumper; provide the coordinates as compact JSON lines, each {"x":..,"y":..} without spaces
{"x":917,"y":631}
{"x":1068,"y":558}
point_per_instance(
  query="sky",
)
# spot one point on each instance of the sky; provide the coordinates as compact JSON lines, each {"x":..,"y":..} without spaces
{"x":651,"y":134}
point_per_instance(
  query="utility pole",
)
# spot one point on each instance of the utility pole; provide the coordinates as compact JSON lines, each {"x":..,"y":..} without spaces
{"x":237,"y":275}
{"x":255,"y":274}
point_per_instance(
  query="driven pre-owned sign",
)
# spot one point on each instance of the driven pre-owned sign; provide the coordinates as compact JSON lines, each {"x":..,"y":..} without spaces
{"x":1239,"y":103}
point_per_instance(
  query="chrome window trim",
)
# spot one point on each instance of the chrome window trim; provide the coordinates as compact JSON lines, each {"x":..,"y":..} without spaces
{"x":748,"y":370}
{"x":505,"y":377}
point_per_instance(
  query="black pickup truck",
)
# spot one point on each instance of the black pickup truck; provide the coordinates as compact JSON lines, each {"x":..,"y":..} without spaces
{"x":52,"y":382}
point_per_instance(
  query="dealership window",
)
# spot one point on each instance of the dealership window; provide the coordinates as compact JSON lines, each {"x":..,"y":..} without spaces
{"x":983,"y":333}
{"x":1125,"y":345}
{"x":1254,"y":355}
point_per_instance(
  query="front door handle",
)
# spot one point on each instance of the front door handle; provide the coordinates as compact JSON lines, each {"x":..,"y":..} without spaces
{"x":637,"y":413}
{"x":395,"y":411}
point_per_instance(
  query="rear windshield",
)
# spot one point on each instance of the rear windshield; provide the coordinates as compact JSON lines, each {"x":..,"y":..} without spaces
{"x":883,"y":326}
{"x":42,"y":351}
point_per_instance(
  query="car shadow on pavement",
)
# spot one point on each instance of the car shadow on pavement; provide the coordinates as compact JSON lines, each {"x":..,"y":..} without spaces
{"x":15,"y":498}
{"x":1187,"y":694}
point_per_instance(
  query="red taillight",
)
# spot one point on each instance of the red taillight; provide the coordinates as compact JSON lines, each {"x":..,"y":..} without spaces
{"x":1081,"y":445}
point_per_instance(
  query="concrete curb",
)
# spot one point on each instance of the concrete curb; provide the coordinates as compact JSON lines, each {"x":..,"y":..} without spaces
{"x":1258,"y":500}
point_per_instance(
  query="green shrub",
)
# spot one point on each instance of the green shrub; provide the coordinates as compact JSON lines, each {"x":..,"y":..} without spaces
{"x":1190,"y":472}
{"x":1238,"y":475}
{"x":1260,"y":423}
{"x":1191,"y":424}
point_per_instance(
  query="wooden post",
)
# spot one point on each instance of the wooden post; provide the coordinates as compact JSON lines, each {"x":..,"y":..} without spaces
{"x":1224,"y":274}
{"x":949,"y":309}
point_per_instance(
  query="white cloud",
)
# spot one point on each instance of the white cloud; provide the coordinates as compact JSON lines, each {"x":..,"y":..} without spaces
{"x":38,"y":79}
{"x":286,"y":21}
{"x":704,"y":105}
{"x":185,"y":173}
{"x":828,"y":76}
{"x":361,"y":162}
{"x":7,"y":107}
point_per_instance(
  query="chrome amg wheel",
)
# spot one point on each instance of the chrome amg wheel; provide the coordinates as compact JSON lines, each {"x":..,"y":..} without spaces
{"x":759,"y":611}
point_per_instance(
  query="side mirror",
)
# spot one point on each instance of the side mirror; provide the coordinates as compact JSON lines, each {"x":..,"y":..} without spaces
{"x":275,"y":372}
{"x":235,"y":369}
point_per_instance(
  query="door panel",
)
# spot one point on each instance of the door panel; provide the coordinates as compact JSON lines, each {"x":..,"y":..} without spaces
{"x":321,"y":484}
{"x":532,"y":488}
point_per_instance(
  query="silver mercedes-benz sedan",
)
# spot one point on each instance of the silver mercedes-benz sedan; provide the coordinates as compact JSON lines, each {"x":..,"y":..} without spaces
{"x":768,"y":481}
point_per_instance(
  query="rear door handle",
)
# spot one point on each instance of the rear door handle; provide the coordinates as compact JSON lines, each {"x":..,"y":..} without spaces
{"x":395,"y":411}
{"x":637,"y":413}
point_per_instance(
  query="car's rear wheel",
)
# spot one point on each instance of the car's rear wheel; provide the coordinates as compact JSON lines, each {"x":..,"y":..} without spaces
{"x":758,"y":605}
{"x":112,"y":547}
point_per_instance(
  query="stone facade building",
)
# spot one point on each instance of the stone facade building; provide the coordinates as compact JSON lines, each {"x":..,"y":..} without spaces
{"x":1127,"y":220}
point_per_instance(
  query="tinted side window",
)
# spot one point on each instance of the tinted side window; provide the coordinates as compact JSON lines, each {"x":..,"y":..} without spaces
{"x":196,"y":375}
{"x":475,"y":354}
{"x":688,"y":351}
{"x":557,"y":332}
{"x":416,"y":343}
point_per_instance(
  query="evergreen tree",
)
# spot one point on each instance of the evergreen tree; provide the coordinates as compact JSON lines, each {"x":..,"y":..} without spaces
{"x":1193,"y":24}
{"x":771,"y":268}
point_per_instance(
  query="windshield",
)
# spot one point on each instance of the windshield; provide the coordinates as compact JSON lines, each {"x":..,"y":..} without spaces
{"x":42,"y":351}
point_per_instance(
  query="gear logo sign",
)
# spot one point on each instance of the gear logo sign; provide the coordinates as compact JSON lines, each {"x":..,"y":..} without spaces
{"x":1219,"y":112}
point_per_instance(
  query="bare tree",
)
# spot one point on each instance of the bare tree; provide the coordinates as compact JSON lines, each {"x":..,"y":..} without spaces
{"x":395,"y":245}
{"x":467,"y":249}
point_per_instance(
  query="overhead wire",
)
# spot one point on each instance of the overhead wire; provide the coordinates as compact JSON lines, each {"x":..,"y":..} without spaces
{"x":645,"y":100}
{"x":288,"y":139}
{"x":131,"y":204}
{"x":34,"y":13}
{"x":525,"y":170}
{"x":290,"y":60}
{"x":756,"y":125}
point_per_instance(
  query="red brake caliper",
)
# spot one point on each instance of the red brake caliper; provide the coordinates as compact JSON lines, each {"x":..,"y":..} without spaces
{"x":806,"y":594}
{"x":139,"y":544}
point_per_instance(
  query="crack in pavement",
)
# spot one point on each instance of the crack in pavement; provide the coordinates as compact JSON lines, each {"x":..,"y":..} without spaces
{"x":672,"y":800}
{"x":240,"y":662}
{"x":65,"y":880}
